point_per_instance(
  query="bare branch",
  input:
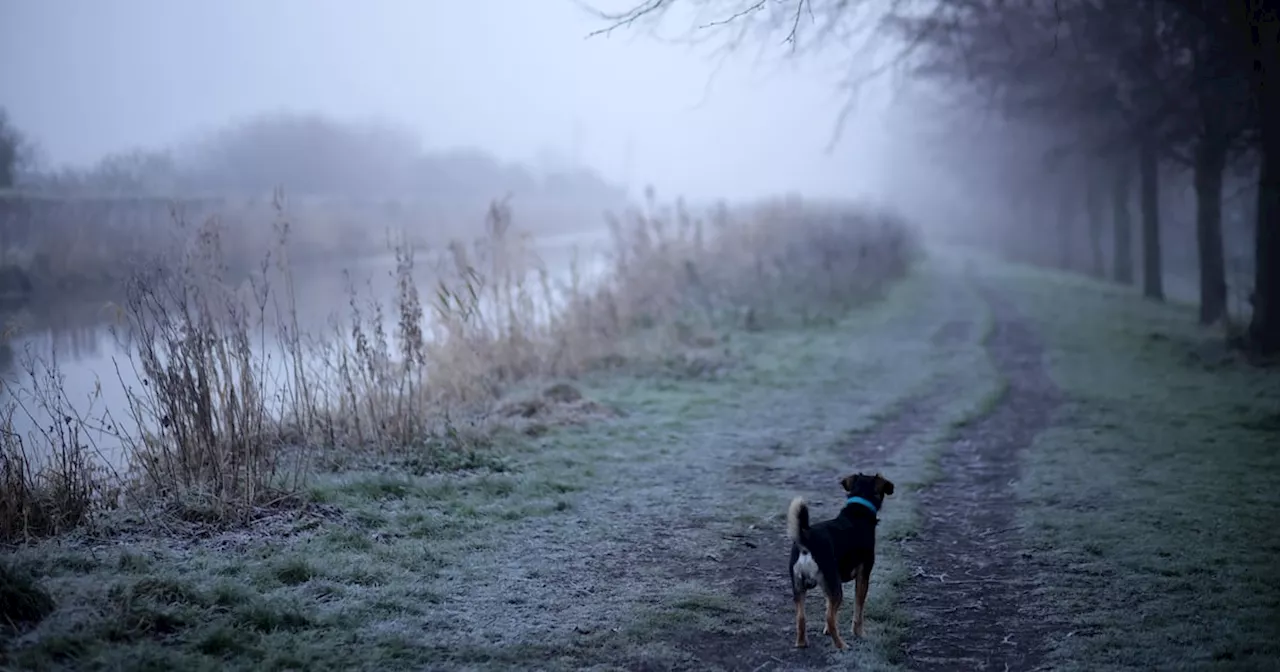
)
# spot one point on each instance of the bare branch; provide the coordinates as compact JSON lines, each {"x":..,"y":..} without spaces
{"x":736,"y":15}
{"x":795,"y":23}
{"x":625,"y":19}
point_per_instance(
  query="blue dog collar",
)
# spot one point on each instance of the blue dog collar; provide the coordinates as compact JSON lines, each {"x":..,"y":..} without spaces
{"x":865,"y":502}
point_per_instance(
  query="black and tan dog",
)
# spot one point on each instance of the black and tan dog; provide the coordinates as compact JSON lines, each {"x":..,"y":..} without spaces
{"x":836,"y":551}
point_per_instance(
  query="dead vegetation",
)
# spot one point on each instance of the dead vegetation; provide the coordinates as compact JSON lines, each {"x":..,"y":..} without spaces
{"x":237,"y":406}
{"x":49,"y":481}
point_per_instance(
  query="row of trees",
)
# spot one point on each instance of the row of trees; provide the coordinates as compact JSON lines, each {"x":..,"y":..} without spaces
{"x":1138,"y":86}
{"x":1128,"y":88}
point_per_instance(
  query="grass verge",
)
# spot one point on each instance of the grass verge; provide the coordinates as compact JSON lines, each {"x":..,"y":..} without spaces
{"x":330,"y":587}
{"x":1151,"y":506}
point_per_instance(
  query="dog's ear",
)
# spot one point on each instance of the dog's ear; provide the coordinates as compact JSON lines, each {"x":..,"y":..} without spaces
{"x":847,"y":482}
{"x":884,"y":486}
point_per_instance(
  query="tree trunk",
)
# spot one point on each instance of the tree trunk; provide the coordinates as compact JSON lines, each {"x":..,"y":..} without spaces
{"x":1066,"y":219}
{"x":1093,"y":203}
{"x":1211,"y":161}
{"x":1122,"y":225}
{"x":1264,"y":328}
{"x":1149,"y":176}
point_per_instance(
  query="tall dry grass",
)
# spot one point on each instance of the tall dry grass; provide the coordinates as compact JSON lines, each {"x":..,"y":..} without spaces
{"x":50,"y":479}
{"x":236,"y":402}
{"x":400,"y":368}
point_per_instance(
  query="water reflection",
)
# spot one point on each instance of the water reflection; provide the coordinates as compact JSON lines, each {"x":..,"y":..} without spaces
{"x":73,"y":358}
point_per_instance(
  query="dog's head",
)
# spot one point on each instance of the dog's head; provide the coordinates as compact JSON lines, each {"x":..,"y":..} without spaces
{"x":872,"y":488}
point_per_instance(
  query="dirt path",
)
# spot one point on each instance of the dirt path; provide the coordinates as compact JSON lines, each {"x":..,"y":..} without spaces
{"x":970,"y":596}
{"x":757,"y":565}
{"x":674,"y":557}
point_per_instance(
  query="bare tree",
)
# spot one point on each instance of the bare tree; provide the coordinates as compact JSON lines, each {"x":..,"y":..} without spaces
{"x":1093,"y":66}
{"x":1197,"y":85}
{"x":1223,"y":125}
{"x":13,"y":151}
{"x":1246,"y":33}
{"x":1122,"y":221}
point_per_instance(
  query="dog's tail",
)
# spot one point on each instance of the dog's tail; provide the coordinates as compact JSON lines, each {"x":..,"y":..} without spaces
{"x":798,"y":521}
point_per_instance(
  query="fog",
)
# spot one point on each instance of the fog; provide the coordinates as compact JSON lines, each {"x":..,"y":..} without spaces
{"x":413,"y":116}
{"x":486,"y":332}
{"x":481,"y":99}
{"x":393,"y":115}
{"x":520,"y":80}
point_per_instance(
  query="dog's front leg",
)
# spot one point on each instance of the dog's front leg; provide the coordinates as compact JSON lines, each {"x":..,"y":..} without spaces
{"x":860,"y":599}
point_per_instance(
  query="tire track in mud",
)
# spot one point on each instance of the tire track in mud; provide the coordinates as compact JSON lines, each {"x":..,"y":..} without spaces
{"x":970,"y":594}
{"x":758,"y":563}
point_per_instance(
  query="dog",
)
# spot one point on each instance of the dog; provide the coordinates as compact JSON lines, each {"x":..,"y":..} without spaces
{"x":836,"y":551}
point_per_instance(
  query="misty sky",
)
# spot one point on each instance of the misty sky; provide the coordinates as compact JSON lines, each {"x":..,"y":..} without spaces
{"x":515,"y":77}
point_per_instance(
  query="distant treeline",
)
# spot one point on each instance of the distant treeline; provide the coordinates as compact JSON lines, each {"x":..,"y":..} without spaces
{"x":345,"y":187}
{"x":315,"y":156}
{"x":77,"y":243}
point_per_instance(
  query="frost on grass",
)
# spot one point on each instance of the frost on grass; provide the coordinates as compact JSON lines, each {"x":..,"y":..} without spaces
{"x":339,"y":513}
{"x":673,"y":555}
{"x":26,"y":602}
{"x":1134,"y":501}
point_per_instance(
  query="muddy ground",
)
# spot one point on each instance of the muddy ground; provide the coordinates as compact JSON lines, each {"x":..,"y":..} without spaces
{"x":648,"y":532}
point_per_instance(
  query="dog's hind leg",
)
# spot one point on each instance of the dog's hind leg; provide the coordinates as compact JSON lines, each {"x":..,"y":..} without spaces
{"x":833,"y":606}
{"x":863,"y":579}
{"x":801,"y":639}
